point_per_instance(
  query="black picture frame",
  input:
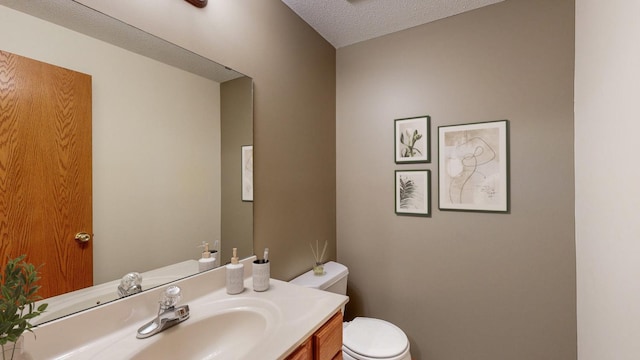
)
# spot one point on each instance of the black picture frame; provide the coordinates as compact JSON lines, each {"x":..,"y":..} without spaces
{"x":413,"y":192}
{"x":473,"y":167}
{"x":412,"y":140}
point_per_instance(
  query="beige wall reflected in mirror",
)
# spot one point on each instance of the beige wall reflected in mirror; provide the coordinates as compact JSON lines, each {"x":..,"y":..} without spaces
{"x":165,"y":143}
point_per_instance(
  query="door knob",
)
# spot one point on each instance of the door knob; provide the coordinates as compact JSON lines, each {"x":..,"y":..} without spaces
{"x":83,"y":237}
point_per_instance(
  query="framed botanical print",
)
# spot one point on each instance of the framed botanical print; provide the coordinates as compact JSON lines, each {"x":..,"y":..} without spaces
{"x":412,"y":140}
{"x":413,"y":192}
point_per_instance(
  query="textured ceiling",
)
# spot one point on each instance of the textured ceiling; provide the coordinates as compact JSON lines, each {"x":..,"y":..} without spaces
{"x":346,"y":22}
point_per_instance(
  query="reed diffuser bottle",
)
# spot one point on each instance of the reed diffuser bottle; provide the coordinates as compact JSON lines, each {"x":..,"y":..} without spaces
{"x":318,"y":266}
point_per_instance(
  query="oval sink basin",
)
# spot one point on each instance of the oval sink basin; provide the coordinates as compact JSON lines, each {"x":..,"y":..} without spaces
{"x":225,"y":329}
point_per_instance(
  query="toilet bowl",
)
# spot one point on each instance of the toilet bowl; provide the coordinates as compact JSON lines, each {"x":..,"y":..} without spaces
{"x":363,"y":338}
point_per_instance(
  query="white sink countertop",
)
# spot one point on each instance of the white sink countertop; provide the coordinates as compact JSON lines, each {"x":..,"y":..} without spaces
{"x":251,"y":325}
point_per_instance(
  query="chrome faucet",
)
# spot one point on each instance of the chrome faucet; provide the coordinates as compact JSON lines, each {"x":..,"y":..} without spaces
{"x":168,"y":314}
{"x":130,"y":284}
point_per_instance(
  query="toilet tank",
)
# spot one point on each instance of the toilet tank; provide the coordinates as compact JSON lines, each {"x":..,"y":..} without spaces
{"x":334,"y":280}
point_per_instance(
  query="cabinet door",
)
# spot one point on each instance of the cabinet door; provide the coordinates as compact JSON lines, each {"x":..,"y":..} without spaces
{"x":327,"y":341}
{"x":303,"y":352}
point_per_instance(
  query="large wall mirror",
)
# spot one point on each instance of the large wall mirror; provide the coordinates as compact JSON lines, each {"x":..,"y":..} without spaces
{"x":168,"y":130}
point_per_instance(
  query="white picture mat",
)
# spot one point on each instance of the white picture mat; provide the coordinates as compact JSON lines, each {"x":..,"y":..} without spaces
{"x":473,"y":162}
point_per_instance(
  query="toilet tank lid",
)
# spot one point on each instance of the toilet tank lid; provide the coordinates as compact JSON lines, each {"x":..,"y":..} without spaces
{"x":333,"y":272}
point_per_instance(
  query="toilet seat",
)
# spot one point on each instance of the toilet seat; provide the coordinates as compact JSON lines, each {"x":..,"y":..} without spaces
{"x":368,"y":338}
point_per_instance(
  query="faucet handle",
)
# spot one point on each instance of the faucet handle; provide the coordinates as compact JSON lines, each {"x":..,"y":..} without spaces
{"x":170,"y":297}
{"x":131,"y":279}
{"x":131,"y":283}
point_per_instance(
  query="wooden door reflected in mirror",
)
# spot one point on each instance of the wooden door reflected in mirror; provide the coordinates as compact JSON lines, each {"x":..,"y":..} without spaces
{"x":45,"y":170}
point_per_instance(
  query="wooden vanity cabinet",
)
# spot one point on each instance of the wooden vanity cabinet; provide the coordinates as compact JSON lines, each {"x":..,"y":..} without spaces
{"x":324,"y":344}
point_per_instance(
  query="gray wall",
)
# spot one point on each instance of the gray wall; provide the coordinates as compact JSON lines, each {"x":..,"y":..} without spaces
{"x":464,"y":285}
{"x":294,"y":135}
{"x":294,"y":129}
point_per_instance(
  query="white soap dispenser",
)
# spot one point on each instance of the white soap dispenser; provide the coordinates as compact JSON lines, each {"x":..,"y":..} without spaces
{"x":235,"y":275}
{"x":206,"y":262}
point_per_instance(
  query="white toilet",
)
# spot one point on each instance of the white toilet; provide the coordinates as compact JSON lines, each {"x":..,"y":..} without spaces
{"x":363,"y":338}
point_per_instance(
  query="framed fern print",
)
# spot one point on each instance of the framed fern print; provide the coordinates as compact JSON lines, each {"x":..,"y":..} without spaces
{"x":412,"y":140}
{"x":413,"y":192}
